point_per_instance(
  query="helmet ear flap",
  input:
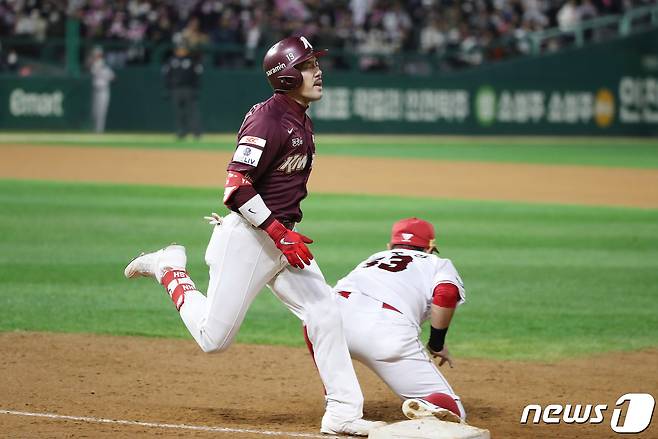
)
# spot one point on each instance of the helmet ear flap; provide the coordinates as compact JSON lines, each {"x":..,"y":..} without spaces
{"x":290,"y":82}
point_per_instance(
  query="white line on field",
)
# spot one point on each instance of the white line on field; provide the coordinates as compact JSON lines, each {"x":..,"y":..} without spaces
{"x":158,"y":425}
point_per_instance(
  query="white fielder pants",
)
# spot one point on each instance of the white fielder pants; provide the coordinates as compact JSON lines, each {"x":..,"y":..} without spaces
{"x":387,"y":343}
{"x":242,"y":259}
{"x":101,"y":101}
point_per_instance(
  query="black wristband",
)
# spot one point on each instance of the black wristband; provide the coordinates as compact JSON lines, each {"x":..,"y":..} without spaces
{"x":437,"y":338}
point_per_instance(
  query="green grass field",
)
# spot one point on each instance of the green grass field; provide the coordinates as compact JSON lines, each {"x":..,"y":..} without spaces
{"x":600,"y":151}
{"x":544,"y":281}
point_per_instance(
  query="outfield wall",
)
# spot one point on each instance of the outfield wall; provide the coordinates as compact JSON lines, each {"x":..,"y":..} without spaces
{"x":602,"y":89}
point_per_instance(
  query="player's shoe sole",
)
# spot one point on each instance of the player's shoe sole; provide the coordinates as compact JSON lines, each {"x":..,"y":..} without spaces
{"x":418,"y":409}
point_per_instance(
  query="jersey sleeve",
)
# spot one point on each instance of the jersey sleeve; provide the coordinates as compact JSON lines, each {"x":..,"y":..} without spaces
{"x":259,"y":142}
{"x":447,"y":273}
{"x":258,"y":147}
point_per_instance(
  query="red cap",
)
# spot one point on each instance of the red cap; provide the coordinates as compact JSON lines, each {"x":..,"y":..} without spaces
{"x":414,"y":232}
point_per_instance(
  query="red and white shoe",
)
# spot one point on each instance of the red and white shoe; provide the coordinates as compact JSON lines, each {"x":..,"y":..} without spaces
{"x":156,"y":263}
{"x":419,"y":408}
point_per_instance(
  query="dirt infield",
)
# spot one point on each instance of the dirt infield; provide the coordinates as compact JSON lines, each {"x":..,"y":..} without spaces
{"x":271,"y":388}
{"x":276,"y":389}
{"x":588,"y":185}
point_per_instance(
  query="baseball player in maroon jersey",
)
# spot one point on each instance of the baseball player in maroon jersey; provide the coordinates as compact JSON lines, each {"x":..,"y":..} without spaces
{"x":384,"y":301}
{"x":257,"y":245}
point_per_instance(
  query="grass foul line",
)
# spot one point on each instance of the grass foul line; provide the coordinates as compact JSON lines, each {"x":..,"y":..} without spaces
{"x":158,"y":425}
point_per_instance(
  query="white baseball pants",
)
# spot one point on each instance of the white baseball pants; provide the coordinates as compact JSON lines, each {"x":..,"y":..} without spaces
{"x":242,"y":260}
{"x":100,"y":104}
{"x":387,"y":343}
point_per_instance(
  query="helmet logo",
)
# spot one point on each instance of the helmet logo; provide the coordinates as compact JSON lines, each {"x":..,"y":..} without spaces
{"x":275,"y":69}
{"x":307,"y":45}
{"x":407,"y":236}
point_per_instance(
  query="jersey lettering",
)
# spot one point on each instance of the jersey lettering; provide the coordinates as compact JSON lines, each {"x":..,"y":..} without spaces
{"x":294,"y":163}
{"x":393,"y":264}
{"x":372,"y":263}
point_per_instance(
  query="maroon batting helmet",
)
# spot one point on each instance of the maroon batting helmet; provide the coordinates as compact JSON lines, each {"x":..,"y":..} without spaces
{"x":280,"y":61}
{"x":414,"y":232}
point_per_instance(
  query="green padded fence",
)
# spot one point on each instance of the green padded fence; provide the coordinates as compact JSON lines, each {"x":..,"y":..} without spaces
{"x":56,"y":103}
{"x":601,"y":89}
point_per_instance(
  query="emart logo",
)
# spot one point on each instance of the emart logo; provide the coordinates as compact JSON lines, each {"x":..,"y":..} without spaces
{"x":635,"y":417}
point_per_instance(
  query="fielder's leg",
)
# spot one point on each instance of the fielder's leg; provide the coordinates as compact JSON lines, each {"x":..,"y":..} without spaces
{"x":103,"y":105}
{"x":185,"y":110}
{"x":388,"y":344}
{"x":95,"y":110}
{"x":307,"y":295}
{"x":194,"y":113}
{"x":179,"y":114}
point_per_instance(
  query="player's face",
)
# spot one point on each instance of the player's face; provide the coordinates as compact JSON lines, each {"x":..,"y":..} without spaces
{"x":311,"y":88}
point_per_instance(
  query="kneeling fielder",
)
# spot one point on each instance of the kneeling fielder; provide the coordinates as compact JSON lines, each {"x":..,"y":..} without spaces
{"x":383,"y":303}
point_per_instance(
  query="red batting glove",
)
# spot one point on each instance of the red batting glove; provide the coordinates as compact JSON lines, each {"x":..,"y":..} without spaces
{"x":291,"y":244}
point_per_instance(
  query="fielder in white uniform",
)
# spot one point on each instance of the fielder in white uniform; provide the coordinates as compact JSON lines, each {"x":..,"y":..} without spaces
{"x":101,"y":75}
{"x":384,"y":301}
{"x":257,"y":245}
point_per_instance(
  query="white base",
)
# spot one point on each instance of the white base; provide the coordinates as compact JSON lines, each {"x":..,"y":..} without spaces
{"x":428,"y":428}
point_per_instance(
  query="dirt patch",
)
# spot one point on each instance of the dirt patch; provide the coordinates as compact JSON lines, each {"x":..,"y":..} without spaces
{"x":272,"y":388}
{"x":587,"y":185}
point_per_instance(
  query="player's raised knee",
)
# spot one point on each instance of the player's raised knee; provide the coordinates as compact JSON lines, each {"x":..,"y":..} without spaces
{"x":210,"y":345}
{"x":214,"y":348}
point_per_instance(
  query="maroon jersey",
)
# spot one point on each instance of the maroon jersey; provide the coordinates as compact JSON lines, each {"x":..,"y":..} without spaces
{"x":275,"y":152}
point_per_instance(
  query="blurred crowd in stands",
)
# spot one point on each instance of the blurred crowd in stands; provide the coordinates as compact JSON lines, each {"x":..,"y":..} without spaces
{"x":365,"y":34}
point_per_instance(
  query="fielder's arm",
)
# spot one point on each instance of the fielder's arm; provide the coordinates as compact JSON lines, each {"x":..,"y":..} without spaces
{"x":446,"y":297}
